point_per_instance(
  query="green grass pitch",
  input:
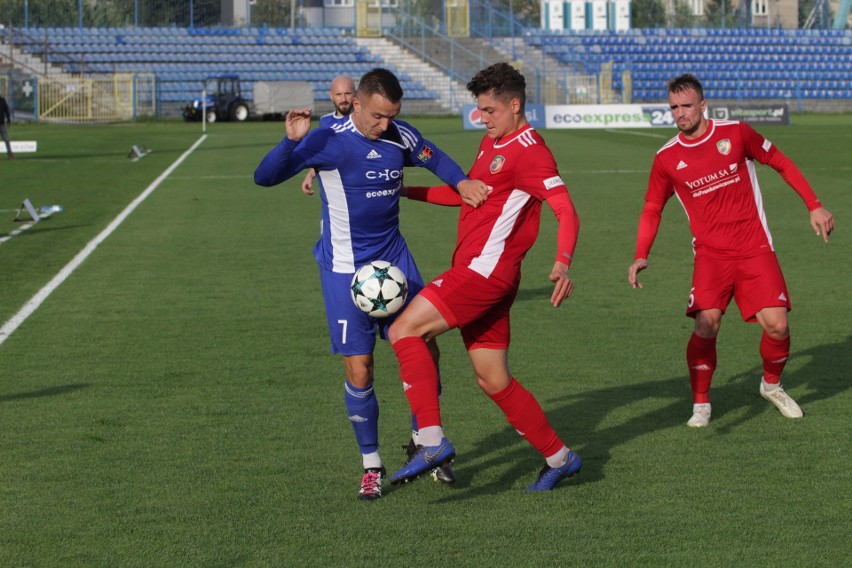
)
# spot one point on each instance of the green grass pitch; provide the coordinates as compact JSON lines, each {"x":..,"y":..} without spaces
{"x":173,"y":402}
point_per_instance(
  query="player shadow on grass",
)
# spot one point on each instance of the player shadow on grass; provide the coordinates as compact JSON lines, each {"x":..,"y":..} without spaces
{"x":579,"y":418}
{"x":50,"y":391}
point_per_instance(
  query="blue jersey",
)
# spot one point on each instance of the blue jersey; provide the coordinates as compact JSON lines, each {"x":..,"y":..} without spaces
{"x":360,"y":181}
{"x":331,"y":120}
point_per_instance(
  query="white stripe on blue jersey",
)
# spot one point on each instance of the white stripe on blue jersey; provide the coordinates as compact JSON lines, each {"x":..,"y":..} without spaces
{"x":360,"y":181}
{"x":339,"y":229}
{"x":409,"y":137}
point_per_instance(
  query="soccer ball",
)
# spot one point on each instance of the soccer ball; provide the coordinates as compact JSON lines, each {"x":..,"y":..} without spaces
{"x":379,"y":289}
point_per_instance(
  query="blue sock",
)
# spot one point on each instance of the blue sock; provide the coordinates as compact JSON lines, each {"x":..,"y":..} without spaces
{"x":363,"y":409}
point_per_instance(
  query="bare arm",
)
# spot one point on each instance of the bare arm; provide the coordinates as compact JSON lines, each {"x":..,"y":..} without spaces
{"x":563,"y":283}
{"x":821,"y":218}
{"x":298,"y":123}
{"x":633,"y":271}
{"x":307,"y":183}
{"x":649,"y":223}
{"x":566,"y":242}
{"x":473,"y":192}
{"x":822,"y":222}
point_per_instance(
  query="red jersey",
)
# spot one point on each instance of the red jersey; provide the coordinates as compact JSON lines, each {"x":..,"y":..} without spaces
{"x":714,"y":179}
{"x":494,"y":237}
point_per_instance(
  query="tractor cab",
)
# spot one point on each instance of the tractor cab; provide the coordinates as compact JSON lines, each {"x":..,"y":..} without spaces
{"x":224,"y":100}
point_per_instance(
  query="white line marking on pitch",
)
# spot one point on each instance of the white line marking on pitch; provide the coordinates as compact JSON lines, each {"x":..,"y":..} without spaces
{"x":249,"y":177}
{"x":32,"y":305}
{"x":16,"y":232}
{"x":604,"y":172}
{"x":634,"y":133}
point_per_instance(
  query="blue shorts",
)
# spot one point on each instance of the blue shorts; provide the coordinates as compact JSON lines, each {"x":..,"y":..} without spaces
{"x":352,"y":331}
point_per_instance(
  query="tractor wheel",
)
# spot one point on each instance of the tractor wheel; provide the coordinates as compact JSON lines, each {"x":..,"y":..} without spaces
{"x":211,"y":116}
{"x":239,"y":112}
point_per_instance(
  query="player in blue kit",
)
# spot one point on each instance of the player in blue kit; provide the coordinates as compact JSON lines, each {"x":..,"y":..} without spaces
{"x":341,"y":93}
{"x":359,"y":168}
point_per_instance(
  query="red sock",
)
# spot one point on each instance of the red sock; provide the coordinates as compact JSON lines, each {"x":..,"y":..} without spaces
{"x":701,"y":359}
{"x":419,"y":380}
{"x":775,"y":353}
{"x":525,"y":414}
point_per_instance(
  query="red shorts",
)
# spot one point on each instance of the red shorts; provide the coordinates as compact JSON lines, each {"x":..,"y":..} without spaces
{"x":479,"y":307}
{"x":754,"y":283}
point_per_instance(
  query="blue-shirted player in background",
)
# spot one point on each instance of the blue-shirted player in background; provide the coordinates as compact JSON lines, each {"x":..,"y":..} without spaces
{"x":341,"y":93}
{"x":359,"y":168}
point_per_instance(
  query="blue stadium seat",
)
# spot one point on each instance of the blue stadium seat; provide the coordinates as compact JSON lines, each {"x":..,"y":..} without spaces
{"x":735,"y":63}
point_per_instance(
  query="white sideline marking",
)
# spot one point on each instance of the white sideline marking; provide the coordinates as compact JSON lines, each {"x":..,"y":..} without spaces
{"x":634,"y":133}
{"x":244,"y":176}
{"x":604,"y":172}
{"x":32,"y":305}
{"x":16,"y":232}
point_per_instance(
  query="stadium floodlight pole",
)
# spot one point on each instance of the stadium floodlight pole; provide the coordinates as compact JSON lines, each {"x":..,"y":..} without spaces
{"x":80,"y":9}
{"x":292,"y":15}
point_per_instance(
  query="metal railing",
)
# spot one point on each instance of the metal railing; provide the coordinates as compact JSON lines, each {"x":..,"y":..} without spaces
{"x":548,"y":81}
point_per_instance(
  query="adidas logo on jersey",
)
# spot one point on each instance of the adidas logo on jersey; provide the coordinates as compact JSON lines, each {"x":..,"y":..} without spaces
{"x":373,"y":155}
{"x":783,"y":297}
{"x":438,"y":282}
{"x":681,"y":165}
{"x":405,"y":386}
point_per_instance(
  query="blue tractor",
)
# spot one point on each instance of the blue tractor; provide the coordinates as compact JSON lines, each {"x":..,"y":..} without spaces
{"x":224,"y":100}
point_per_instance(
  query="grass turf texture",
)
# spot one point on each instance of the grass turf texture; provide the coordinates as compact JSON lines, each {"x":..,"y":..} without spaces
{"x":173,"y":403}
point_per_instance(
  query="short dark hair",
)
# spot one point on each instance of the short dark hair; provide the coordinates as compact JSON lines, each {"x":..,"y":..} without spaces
{"x":503,"y":81}
{"x":380,"y":81}
{"x":685,"y":82}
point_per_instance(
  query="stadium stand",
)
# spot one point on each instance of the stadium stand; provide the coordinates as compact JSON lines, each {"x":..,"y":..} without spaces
{"x":181,"y":58}
{"x":734,"y":63}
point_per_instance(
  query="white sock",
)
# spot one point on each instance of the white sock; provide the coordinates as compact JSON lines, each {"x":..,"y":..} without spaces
{"x":558,"y":459}
{"x":769,"y":386}
{"x":371,"y":461}
{"x":695,"y":407}
{"x":415,"y":435}
{"x":430,"y":436}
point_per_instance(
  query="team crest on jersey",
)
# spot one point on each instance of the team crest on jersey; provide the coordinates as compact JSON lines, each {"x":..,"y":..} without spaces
{"x":497,"y":164}
{"x":425,"y":154}
{"x":724,"y":146}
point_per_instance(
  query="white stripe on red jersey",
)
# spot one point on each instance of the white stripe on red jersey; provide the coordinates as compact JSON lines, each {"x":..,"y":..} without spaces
{"x":521,"y":172}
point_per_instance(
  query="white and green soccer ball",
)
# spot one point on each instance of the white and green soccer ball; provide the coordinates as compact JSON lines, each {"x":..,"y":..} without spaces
{"x":379,"y":289}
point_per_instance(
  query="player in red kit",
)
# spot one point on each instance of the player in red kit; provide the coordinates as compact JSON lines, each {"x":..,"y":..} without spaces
{"x":709,"y":166}
{"x":476,"y":294}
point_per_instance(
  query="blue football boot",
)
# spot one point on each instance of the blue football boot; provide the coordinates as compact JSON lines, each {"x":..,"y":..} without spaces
{"x":548,"y":477}
{"x":444,"y":473}
{"x":424,"y":460}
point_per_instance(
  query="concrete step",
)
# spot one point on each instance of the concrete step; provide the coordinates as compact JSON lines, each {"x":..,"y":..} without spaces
{"x":432,"y":78}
